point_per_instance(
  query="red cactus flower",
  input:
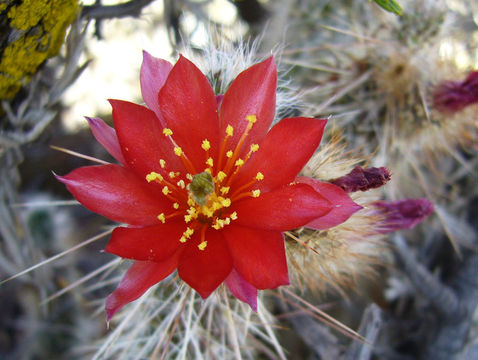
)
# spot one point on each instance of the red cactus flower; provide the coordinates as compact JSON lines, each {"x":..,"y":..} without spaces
{"x":453,"y":96}
{"x":203,"y":185}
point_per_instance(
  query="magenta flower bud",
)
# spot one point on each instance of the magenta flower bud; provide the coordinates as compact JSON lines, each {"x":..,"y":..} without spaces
{"x":453,"y":96}
{"x":360,"y":179}
{"x":402,"y":214}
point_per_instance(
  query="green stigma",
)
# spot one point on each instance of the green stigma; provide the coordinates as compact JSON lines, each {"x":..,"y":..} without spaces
{"x":201,"y":186}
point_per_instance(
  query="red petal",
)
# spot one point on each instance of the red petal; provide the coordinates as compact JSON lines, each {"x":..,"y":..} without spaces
{"x":342,"y":205}
{"x":204,"y":270}
{"x":106,"y":136}
{"x":286,"y":208}
{"x":241,"y":289}
{"x":283,"y":153}
{"x":188,"y":105}
{"x":142,"y":140}
{"x":153,"y":74}
{"x":253,"y":92}
{"x":152,"y":243}
{"x":258,"y":256}
{"x":116,"y":193}
{"x":139,"y":278}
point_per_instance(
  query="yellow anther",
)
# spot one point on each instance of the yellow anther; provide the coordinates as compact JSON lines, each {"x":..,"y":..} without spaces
{"x":188,"y":232}
{"x":208,"y":170}
{"x":259,"y":176}
{"x":167,"y":132}
{"x":227,"y":221}
{"x":162,"y":163}
{"x":229,"y":130}
{"x":183,"y":239}
{"x":153,"y":176}
{"x":239,"y":162}
{"x":225,"y":190}
{"x":216,"y":227}
{"x":233,"y":216}
{"x":172,"y":175}
{"x":176,"y":206}
{"x":226,"y":202}
{"x":178,"y":151}
{"x":210,"y":162}
{"x":162,"y":218}
{"x":254,"y":147}
{"x":206,"y":145}
{"x":181,"y":184}
{"x":192,"y":211}
{"x":202,"y":245}
{"x":256,"y":193}
{"x":251,"y":118}
{"x":221,"y":175}
{"x":166,"y":190}
{"x":191,"y":202}
{"x":187,"y":218}
{"x":229,"y":154}
{"x":189,"y":177}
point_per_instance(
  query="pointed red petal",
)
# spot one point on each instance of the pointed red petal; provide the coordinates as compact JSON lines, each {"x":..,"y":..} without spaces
{"x":253,"y":92}
{"x":286,"y":208}
{"x":241,"y":289}
{"x":204,"y":270}
{"x":283,"y":153}
{"x":141,"y":138}
{"x":106,"y":136}
{"x":152,"y":243}
{"x":116,"y":193}
{"x":189,"y":108}
{"x":153,"y":74}
{"x":139,"y":278}
{"x":342,"y":205}
{"x":258,"y":256}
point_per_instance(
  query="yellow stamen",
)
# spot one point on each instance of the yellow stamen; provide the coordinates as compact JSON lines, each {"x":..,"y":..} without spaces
{"x":221,"y":175}
{"x":226,"y":202}
{"x":188,"y":232}
{"x":176,"y":206}
{"x":172,"y":175}
{"x":153,"y":176}
{"x":229,"y":130}
{"x":256,"y":193}
{"x":206,"y":145}
{"x":251,"y":118}
{"x":166,"y":191}
{"x":259,"y":176}
{"x":189,"y":177}
{"x":162,"y":163}
{"x":178,"y":151}
{"x":187,"y":218}
{"x":229,"y":154}
{"x":225,"y":190}
{"x":254,"y":147}
{"x":210,"y":162}
{"x":233,"y":216}
{"x":202,"y":245}
{"x":181,"y":184}
{"x":162,"y":218}
{"x":167,"y":132}
{"x":183,"y":239}
{"x":239,"y":162}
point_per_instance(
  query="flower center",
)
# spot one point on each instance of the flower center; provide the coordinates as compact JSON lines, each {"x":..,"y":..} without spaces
{"x":203,"y":199}
{"x":201,"y":186}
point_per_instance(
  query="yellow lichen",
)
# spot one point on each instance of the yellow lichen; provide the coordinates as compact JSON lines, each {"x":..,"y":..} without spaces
{"x":40,"y":28}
